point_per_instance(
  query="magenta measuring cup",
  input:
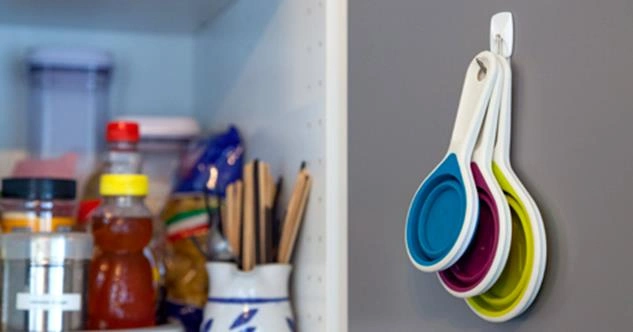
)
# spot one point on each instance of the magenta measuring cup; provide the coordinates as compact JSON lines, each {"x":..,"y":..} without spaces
{"x":480,"y":266}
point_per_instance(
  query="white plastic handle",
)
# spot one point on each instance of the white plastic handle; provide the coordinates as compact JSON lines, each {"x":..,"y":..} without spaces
{"x":485,"y":146}
{"x":502,"y":43}
{"x":473,"y":102}
{"x":504,"y":130}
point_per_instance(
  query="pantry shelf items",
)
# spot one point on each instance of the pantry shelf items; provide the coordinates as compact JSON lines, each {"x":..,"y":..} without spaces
{"x":472,"y":220}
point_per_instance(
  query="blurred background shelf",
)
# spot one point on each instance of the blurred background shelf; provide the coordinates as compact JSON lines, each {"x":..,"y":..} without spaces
{"x":162,"y":16}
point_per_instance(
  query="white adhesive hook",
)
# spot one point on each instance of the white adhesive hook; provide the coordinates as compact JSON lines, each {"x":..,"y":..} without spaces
{"x":502,"y":34}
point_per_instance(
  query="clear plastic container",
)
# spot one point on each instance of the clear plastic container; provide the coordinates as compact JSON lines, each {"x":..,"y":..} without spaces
{"x":37,"y":205}
{"x":163,"y":143}
{"x":44,"y":281}
{"x":68,"y":102}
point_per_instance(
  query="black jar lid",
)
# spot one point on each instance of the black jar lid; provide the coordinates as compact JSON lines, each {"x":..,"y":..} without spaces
{"x":38,"y":188}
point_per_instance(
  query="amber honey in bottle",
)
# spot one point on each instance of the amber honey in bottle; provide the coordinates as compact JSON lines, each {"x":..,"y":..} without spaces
{"x":121,"y":291}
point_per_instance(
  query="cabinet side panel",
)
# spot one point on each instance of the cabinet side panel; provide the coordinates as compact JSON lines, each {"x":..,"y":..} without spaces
{"x":261,"y":65}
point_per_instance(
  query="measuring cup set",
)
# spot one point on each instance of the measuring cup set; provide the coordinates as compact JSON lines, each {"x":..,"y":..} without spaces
{"x":471,"y":220}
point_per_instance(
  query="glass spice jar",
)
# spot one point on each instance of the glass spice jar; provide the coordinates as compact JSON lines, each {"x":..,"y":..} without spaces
{"x":37,"y":205}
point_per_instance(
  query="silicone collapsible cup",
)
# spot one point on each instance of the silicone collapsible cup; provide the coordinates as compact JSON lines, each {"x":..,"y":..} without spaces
{"x":481,"y":265}
{"x":443,"y":212}
{"x":521,"y":279}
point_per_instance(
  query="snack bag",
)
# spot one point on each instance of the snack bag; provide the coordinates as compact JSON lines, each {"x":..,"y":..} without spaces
{"x":186,"y":217}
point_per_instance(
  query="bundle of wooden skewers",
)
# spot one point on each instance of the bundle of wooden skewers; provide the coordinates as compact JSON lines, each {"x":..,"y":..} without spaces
{"x":250,"y":220}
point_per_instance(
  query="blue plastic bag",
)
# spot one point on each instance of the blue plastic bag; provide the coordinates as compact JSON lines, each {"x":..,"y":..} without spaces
{"x":224,"y":152}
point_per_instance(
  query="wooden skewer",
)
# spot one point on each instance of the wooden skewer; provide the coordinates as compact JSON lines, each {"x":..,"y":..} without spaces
{"x":276,"y":221}
{"x":285,"y":232}
{"x":268,"y":210}
{"x":263,"y":186}
{"x":256,"y":208}
{"x":289,"y":219}
{"x":248,"y":240}
{"x":222,"y":210}
{"x":237,"y":216}
{"x":272,"y":190}
{"x":298,"y":219}
{"x":227,"y":217}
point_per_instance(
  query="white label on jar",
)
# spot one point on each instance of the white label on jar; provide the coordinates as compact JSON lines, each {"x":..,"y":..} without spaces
{"x":63,"y":302}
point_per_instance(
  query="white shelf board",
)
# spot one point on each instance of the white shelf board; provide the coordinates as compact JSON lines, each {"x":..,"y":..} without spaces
{"x":153,"y":16}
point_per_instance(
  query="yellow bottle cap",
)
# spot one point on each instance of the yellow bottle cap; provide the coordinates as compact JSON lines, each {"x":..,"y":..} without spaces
{"x":123,"y":185}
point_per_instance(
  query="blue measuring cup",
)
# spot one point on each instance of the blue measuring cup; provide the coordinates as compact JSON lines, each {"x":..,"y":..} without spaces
{"x":443,"y":213}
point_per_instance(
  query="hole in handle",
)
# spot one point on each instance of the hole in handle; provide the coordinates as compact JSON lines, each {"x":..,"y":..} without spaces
{"x":482,"y":70}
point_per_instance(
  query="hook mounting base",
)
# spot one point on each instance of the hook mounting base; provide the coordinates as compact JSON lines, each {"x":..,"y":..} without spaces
{"x":502,"y":26}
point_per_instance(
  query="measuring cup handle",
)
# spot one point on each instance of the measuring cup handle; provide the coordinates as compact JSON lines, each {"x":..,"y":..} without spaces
{"x":478,"y":84}
{"x":484,"y":148}
{"x":504,"y":130}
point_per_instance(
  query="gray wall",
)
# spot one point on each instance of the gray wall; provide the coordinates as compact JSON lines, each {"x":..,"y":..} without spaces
{"x":573,"y":113}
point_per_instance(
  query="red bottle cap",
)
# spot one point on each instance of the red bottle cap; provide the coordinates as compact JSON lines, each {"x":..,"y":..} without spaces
{"x":122,"y":131}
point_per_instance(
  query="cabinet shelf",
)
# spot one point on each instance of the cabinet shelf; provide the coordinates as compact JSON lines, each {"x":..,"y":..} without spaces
{"x":169,"y":16}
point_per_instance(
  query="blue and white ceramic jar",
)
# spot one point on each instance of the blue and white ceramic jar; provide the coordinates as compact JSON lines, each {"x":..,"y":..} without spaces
{"x":253,"y":301}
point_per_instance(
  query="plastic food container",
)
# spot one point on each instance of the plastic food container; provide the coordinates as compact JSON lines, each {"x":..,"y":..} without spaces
{"x":164,"y":140}
{"x":44,"y":279}
{"x":68,"y":108}
{"x":37,"y":205}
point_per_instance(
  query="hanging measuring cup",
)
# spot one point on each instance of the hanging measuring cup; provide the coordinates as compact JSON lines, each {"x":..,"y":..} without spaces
{"x":480,"y":266}
{"x":521,"y":279}
{"x":443,"y":212}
